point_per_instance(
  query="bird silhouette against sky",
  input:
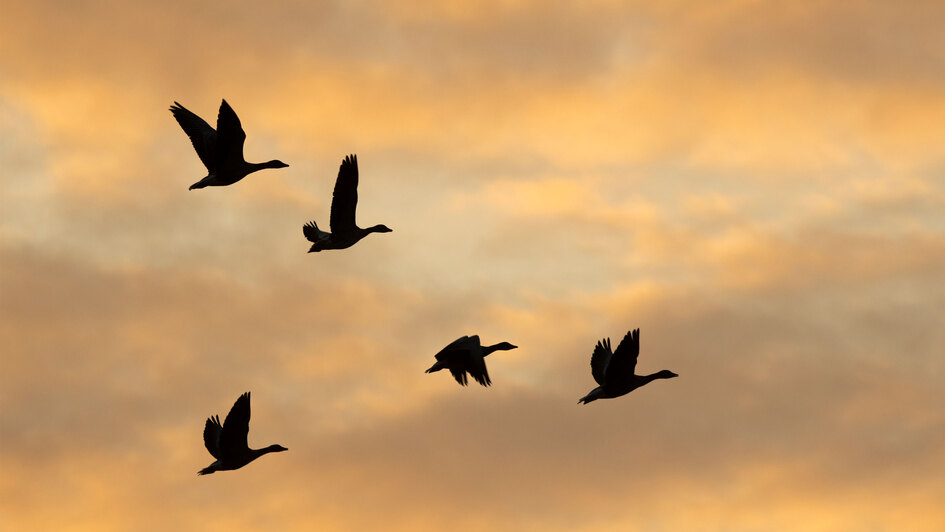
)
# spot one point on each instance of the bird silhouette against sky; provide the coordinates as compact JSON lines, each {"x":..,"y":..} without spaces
{"x":221,"y":150}
{"x":227,"y":442}
{"x":467,"y":355}
{"x":614,"y":370}
{"x":344,"y":230}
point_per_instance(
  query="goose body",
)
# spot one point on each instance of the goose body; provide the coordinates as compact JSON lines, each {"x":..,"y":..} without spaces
{"x":614,"y":371}
{"x":344,"y":202}
{"x":227,"y":442}
{"x":220,"y":149}
{"x":467,"y":355}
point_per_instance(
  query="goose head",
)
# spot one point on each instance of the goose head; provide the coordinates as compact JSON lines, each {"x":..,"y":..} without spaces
{"x":501,"y":346}
{"x":665,"y":374}
{"x":380,"y":228}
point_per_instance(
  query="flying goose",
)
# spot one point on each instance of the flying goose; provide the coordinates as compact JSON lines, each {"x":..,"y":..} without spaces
{"x":466,"y":354}
{"x":227,"y":442}
{"x":344,"y":231}
{"x":614,"y":370}
{"x":222,"y":150}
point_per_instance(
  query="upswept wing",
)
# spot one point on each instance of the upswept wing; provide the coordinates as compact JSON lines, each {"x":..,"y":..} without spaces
{"x":211,"y":436}
{"x":230,"y":135}
{"x":344,"y":199}
{"x":202,"y":136}
{"x":599,"y":360}
{"x":623,"y":363}
{"x":236,"y":427}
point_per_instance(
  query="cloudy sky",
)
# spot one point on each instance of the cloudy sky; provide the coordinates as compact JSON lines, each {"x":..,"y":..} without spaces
{"x":759,"y":186}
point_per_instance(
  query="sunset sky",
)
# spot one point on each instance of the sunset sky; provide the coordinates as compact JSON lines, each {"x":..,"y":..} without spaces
{"x":758,"y":186}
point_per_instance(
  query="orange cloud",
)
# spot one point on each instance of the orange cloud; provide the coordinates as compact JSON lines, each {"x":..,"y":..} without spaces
{"x":754,"y":185}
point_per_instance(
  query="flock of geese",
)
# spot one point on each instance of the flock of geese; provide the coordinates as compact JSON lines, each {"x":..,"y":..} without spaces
{"x":221,"y":151}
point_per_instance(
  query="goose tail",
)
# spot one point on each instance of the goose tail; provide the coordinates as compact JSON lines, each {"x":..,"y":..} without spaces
{"x":199,"y":184}
{"x":587,"y":399}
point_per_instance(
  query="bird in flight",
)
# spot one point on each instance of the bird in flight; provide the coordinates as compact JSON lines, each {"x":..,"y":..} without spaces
{"x":614,"y":370}
{"x":344,"y":231}
{"x":221,"y":150}
{"x":227,"y":442}
{"x":467,"y":355}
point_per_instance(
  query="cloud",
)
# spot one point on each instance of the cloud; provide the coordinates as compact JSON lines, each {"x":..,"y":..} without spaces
{"x":731,"y":178}
{"x":154,"y":353}
{"x":851,"y":40}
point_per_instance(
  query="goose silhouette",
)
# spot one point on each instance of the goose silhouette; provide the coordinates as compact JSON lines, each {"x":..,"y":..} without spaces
{"x":220,"y":150}
{"x":614,"y":370}
{"x":344,"y":230}
{"x":227,"y":442}
{"x":466,"y":355}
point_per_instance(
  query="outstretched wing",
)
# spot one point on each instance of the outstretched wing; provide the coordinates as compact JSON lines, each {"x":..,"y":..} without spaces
{"x":344,"y":199}
{"x":599,"y":360}
{"x":624,"y":361}
{"x":236,"y":427}
{"x":230,"y":136}
{"x":202,"y":136}
{"x":211,"y":436}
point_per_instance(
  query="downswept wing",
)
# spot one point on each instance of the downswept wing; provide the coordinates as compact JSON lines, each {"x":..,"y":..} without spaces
{"x":236,"y":427}
{"x":344,"y":199}
{"x":466,"y":354}
{"x":202,"y":136}
{"x":623,"y":363}
{"x":599,"y":360}
{"x":477,"y":368}
{"x":211,"y":436}
{"x":459,"y":374}
{"x":458,"y":356}
{"x":230,"y":136}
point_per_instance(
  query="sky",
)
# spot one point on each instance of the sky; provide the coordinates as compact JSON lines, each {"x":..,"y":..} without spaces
{"x":758,"y":186}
